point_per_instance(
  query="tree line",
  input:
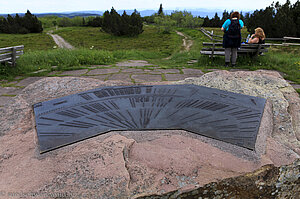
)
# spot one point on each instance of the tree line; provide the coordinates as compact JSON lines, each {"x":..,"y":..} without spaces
{"x":277,"y":20}
{"x":20,"y":25}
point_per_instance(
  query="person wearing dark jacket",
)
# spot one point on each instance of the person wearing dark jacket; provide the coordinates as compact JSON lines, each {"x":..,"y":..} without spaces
{"x":232,"y":37}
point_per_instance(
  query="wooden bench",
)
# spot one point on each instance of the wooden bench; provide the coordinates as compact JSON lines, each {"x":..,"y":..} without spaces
{"x":252,"y":50}
{"x":11,"y":54}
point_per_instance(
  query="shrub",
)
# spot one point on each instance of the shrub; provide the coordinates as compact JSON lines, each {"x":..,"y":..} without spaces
{"x":95,"y":22}
{"x":118,"y":25}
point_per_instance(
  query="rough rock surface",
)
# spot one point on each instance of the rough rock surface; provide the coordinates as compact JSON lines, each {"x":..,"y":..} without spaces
{"x":132,"y":164}
{"x":267,"y":182}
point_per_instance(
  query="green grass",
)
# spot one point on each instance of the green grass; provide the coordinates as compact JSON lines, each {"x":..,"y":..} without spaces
{"x":31,"y":42}
{"x":283,"y":59}
{"x":150,"y":45}
{"x":150,"y":40}
{"x":62,"y":58}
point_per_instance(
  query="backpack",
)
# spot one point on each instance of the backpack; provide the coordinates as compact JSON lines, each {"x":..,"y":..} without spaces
{"x":234,"y":29}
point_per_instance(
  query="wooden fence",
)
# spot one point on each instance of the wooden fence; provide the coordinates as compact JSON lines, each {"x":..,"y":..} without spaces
{"x":284,"y":40}
{"x":10,"y":54}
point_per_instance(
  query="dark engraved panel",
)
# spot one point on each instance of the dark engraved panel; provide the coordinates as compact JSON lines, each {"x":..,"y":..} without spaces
{"x":222,"y":115}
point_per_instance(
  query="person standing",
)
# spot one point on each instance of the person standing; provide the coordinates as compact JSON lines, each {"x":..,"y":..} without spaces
{"x":232,"y":37}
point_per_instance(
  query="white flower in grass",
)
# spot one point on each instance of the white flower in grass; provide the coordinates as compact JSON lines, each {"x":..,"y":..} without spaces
{"x":91,"y":47}
{"x":54,"y":47}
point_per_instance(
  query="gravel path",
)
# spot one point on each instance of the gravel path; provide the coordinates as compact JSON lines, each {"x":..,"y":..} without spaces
{"x":60,"y":41}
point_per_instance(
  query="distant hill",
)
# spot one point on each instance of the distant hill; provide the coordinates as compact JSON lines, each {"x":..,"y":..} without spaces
{"x":195,"y":12}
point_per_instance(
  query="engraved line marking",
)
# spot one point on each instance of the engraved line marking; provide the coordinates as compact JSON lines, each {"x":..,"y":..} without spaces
{"x":111,"y":121}
{"x":62,"y":102}
{"x":44,"y":124}
{"x":38,"y":105}
{"x":174,"y":113}
{"x":249,"y":122}
{"x":175,"y":90}
{"x":253,"y":101}
{"x":73,"y":113}
{"x":125,"y":119}
{"x":230,"y":131}
{"x":114,"y":105}
{"x":203,"y":104}
{"x":99,"y":107}
{"x":141,"y":116}
{"x":190,"y":116}
{"x":85,"y":96}
{"x":45,"y":118}
{"x":132,"y":119}
{"x":101,"y":122}
{"x":199,"y":118}
{"x":227,"y":126}
{"x":240,"y":112}
{"x":84,"y":123}
{"x":248,"y":116}
{"x":110,"y":108}
{"x":230,"y":109}
{"x":76,"y":126}
{"x":148,"y":89}
{"x":211,"y":105}
{"x":249,"y":128}
{"x":86,"y":107}
{"x":132,"y":102}
{"x":192,"y":103}
{"x":157,"y":113}
{"x":115,"y":117}
{"x":69,"y":113}
{"x":80,"y":111}
{"x":247,"y":131}
{"x":105,"y":118}
{"x":215,"y":121}
{"x":194,"y":92}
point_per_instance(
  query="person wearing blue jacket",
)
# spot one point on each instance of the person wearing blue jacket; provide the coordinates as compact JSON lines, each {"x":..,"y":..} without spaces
{"x":232,"y":37}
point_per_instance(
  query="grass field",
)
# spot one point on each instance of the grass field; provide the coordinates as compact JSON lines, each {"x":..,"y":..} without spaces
{"x":283,"y":59}
{"x":31,"y":42}
{"x":96,"y":47}
{"x":150,"y":40}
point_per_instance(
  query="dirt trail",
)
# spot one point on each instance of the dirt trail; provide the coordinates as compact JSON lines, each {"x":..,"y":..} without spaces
{"x":187,"y":43}
{"x":60,"y":41}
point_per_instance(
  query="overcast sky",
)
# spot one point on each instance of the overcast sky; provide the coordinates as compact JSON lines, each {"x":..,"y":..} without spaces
{"x":40,"y":6}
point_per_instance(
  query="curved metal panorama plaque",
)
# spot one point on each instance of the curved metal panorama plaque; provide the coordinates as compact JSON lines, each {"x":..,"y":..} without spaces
{"x":222,"y":115}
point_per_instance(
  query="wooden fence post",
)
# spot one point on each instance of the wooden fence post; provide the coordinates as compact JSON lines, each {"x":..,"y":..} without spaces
{"x":13,"y":56}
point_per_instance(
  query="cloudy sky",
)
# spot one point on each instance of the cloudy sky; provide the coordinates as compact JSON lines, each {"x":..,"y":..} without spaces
{"x":40,"y":6}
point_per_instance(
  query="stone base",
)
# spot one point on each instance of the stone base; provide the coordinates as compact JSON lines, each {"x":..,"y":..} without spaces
{"x":152,"y":163}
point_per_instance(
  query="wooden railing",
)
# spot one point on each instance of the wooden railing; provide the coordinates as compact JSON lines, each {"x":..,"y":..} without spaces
{"x":218,"y":38}
{"x":10,"y":54}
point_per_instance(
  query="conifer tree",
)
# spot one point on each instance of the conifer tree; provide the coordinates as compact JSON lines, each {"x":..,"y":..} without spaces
{"x":160,"y":11}
{"x":27,"y":24}
{"x":118,"y":25}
